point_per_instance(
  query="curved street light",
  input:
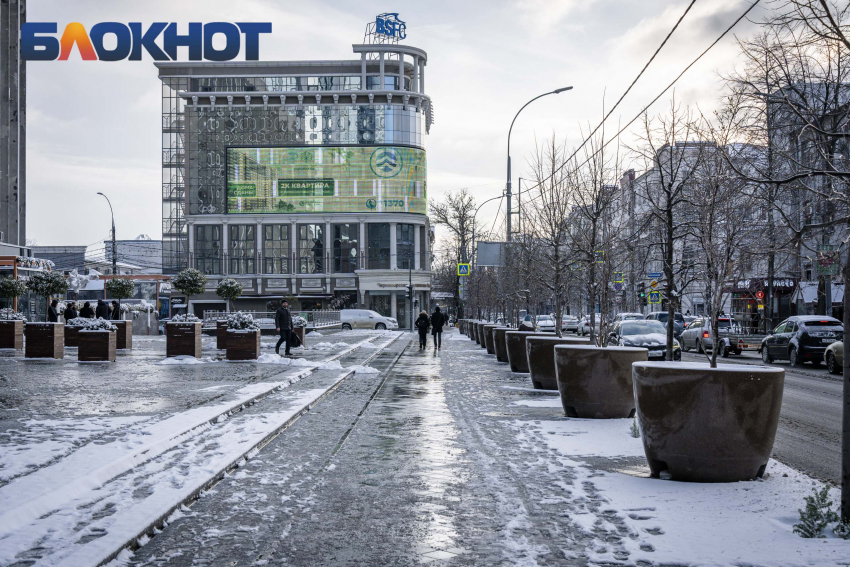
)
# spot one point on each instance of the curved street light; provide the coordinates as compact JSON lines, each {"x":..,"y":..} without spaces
{"x":114,"y":251}
{"x":510,"y":130}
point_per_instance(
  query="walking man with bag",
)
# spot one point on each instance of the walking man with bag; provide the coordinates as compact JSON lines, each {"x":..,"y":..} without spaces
{"x":283,"y":325}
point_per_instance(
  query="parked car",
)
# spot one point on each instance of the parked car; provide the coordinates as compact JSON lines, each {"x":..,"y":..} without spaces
{"x":678,"y":321}
{"x":629,"y":317}
{"x":365,"y":319}
{"x":584,"y":326}
{"x":569,"y":323}
{"x":545,"y":323}
{"x":835,"y":357}
{"x":648,"y":334}
{"x":733,"y":340}
{"x":801,"y":338}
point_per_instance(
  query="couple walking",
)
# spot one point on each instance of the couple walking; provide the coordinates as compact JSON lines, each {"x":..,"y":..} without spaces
{"x":436,"y":323}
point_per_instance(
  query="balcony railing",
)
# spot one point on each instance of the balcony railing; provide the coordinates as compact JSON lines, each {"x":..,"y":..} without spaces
{"x":260,"y":265}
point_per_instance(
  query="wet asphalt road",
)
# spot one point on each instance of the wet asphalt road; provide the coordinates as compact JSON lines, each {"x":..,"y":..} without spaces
{"x":809,"y":434}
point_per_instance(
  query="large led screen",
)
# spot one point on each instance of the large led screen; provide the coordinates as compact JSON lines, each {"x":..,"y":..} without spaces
{"x":351,"y":179}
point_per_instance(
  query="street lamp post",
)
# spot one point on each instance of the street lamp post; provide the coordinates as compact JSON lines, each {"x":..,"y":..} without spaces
{"x":114,"y":249}
{"x":508,"y":192}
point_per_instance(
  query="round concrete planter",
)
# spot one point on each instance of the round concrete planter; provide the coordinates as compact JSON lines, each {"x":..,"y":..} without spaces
{"x":489,"y":338}
{"x":596,"y":382}
{"x":515,"y":345}
{"x":470,"y":329}
{"x":479,"y":332}
{"x":473,"y":327}
{"x":540,"y":352}
{"x":499,"y":343}
{"x":704,"y":424}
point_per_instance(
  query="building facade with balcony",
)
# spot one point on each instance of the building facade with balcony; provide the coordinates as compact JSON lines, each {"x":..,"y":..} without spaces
{"x":305,"y":179}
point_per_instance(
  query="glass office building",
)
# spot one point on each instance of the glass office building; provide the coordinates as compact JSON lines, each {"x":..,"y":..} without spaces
{"x":304,"y":178}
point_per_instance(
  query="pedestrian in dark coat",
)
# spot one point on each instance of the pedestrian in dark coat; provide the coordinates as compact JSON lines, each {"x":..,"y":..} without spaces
{"x":87,"y":312}
{"x":437,"y":322}
{"x":53,"y":312}
{"x":70,"y":311}
{"x":116,"y":310}
{"x":422,"y":324}
{"x":102,"y":310}
{"x":283,"y":324}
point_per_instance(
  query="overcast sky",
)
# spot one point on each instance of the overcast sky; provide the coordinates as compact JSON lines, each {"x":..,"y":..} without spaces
{"x":95,"y":126}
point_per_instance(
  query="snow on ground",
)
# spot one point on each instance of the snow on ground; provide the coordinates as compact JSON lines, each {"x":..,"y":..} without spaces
{"x":314,"y":334}
{"x":548,"y":402}
{"x":363,"y":369}
{"x":743,"y":523}
{"x":183,"y":360}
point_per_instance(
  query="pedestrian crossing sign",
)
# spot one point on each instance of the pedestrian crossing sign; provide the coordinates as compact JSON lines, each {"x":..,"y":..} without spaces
{"x":618,"y":277}
{"x":463,"y":269}
{"x":655,"y":297}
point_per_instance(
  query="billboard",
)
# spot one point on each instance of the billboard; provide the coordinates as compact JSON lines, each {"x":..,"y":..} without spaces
{"x":344,"y":179}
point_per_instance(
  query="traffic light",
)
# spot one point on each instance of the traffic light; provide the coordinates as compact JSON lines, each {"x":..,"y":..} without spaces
{"x":641,"y":290}
{"x":409,"y":289}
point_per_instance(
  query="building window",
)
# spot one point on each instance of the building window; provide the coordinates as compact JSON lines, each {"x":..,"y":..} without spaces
{"x":404,"y":246}
{"x":311,"y":248}
{"x":243,"y":248}
{"x":208,"y":248}
{"x":378,"y":241}
{"x":345,"y":240}
{"x":276,"y":248}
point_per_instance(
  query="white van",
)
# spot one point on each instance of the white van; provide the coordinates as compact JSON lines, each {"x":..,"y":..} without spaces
{"x":365,"y":319}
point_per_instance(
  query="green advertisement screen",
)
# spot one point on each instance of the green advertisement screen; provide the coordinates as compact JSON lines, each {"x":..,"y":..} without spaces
{"x":359,"y":179}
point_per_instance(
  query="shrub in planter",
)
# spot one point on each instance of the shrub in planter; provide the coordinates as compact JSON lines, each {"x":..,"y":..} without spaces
{"x":515,"y":344}
{"x":46,"y":284}
{"x":183,"y":336}
{"x":499,"y":343}
{"x":705,"y":424}
{"x":596,"y":382}
{"x":11,"y":329}
{"x":489,"y":338}
{"x":229,"y":289}
{"x":45,"y":340}
{"x":120,"y":288}
{"x":97,"y":341}
{"x":243,"y":337}
{"x":540,"y":352}
{"x":189,"y":282}
{"x":72,"y":329}
{"x":299,"y":328}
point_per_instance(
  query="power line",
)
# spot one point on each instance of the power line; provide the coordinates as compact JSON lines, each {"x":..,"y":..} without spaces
{"x":645,"y":108}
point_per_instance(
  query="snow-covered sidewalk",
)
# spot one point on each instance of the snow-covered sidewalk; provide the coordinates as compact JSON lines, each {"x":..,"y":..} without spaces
{"x":81,"y":508}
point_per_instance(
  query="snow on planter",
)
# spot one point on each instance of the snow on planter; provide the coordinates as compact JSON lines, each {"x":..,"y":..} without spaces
{"x":596,"y":382}
{"x":45,"y":340}
{"x":243,"y":337}
{"x":540,"y":352}
{"x":183,"y":336}
{"x":705,"y":424}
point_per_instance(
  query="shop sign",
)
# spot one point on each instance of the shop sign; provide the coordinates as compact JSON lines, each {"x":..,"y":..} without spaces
{"x":311,"y":283}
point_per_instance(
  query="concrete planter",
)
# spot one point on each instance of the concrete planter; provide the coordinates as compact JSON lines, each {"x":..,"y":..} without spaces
{"x":221,"y":335}
{"x":489,"y":338}
{"x":499,"y":342}
{"x":515,"y":345}
{"x":596,"y":382}
{"x":97,"y":345}
{"x":12,"y":334}
{"x":473,"y":331}
{"x":45,"y":340}
{"x":183,"y":339}
{"x":243,"y":345}
{"x":72,"y":337}
{"x":540,"y":352}
{"x":482,"y":339}
{"x":704,"y":424}
{"x":124,"y":336}
{"x":461,"y":326}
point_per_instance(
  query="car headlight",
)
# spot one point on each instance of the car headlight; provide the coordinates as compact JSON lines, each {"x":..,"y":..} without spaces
{"x":675,"y":344}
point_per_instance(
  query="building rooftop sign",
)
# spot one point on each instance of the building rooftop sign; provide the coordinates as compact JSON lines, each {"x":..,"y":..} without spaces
{"x":387,"y":28}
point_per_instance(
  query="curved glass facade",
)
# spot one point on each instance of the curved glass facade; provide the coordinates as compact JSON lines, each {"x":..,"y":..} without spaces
{"x":210,"y":131}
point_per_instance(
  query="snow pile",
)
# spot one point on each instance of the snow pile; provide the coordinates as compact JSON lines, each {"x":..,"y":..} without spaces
{"x":269,"y":358}
{"x":668,"y":522}
{"x":314,"y":334}
{"x":321,"y":346}
{"x":302,"y":362}
{"x":183,"y":360}
{"x":368,"y":345}
{"x":330,"y":365}
{"x":363,"y":369}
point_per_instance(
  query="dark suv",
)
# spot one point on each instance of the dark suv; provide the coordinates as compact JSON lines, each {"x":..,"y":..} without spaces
{"x":678,"y":321}
{"x":800,"y":339}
